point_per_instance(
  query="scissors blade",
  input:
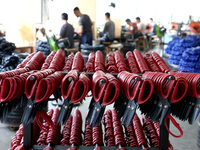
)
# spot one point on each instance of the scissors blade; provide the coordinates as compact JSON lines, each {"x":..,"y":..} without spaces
{"x":91,"y":107}
{"x":165,"y":111}
{"x":100,"y":116}
{"x":195,"y":112}
{"x":122,"y":107}
{"x":95,"y":113}
{"x":119,"y":102}
{"x":188,"y":111}
{"x":1,"y":110}
{"x":157,"y":112}
{"x":126,"y":113}
{"x":150,"y":108}
{"x":63,"y":112}
{"x":92,"y":116}
{"x":69,"y":110}
{"x":28,"y":111}
{"x":99,"y":108}
{"x":131,"y":113}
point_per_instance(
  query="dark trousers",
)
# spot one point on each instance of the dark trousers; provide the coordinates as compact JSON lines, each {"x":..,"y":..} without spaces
{"x":105,"y":38}
{"x":136,"y":35}
{"x":86,"y":38}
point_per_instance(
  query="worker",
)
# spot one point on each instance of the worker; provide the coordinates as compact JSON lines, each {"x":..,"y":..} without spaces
{"x":109,"y":30}
{"x":174,"y":26}
{"x":67,"y":30}
{"x":131,"y":30}
{"x":85,"y":27}
{"x":153,"y":24}
{"x":195,"y":27}
{"x":141,"y":26}
{"x":150,"y":29}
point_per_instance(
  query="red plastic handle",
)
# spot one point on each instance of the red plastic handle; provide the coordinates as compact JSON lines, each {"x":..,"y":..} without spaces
{"x":42,"y":114}
{"x":175,"y":124}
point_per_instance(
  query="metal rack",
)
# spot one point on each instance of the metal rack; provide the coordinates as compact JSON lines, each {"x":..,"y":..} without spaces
{"x":59,"y":147}
{"x":28,"y":132}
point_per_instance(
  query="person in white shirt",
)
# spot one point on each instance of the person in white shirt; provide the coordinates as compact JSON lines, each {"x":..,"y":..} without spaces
{"x":141,"y":26}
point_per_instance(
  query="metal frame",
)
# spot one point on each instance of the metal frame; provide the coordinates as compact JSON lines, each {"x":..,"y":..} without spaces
{"x":59,"y":147}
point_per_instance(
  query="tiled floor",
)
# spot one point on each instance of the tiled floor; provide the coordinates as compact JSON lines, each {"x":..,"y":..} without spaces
{"x":187,"y":142}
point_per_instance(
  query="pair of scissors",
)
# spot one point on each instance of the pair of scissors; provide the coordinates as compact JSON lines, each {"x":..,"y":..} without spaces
{"x":176,"y":94}
{"x":105,"y":91}
{"x":74,"y":88}
{"x":137,"y":91}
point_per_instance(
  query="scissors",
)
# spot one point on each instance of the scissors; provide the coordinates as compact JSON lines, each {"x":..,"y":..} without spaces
{"x":105,"y":91}
{"x":134,"y":88}
{"x":74,"y":88}
{"x":32,"y":90}
{"x":178,"y":90}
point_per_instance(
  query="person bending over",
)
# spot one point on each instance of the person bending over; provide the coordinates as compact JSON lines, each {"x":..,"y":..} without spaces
{"x":131,"y":30}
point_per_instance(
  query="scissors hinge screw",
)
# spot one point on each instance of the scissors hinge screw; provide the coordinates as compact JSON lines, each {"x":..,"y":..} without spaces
{"x":133,"y":108}
{"x":29,"y":106}
{"x":129,"y":106}
{"x":171,"y":78}
{"x":137,"y":78}
{"x":65,"y":106}
{"x":166,"y":106}
{"x":70,"y":79}
{"x":160,"y":105}
{"x":97,"y":109}
{"x":102,"y":81}
{"x":32,"y":78}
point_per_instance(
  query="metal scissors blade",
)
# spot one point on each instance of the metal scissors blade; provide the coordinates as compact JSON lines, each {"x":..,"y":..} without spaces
{"x":163,"y":108}
{"x":129,"y":113}
{"x":195,"y":112}
{"x":89,"y":115}
{"x":99,"y":110}
{"x":100,"y":116}
{"x":96,"y":112}
{"x":157,"y":111}
{"x":189,"y":109}
{"x":92,"y":116}
{"x":65,"y":111}
{"x":165,"y":111}
{"x":151,"y":106}
{"x":121,"y":106}
{"x":28,"y":111}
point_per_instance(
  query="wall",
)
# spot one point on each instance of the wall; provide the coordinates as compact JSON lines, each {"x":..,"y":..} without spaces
{"x":18,"y":19}
{"x":162,"y":11}
{"x":56,"y":8}
{"x":89,"y":7}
